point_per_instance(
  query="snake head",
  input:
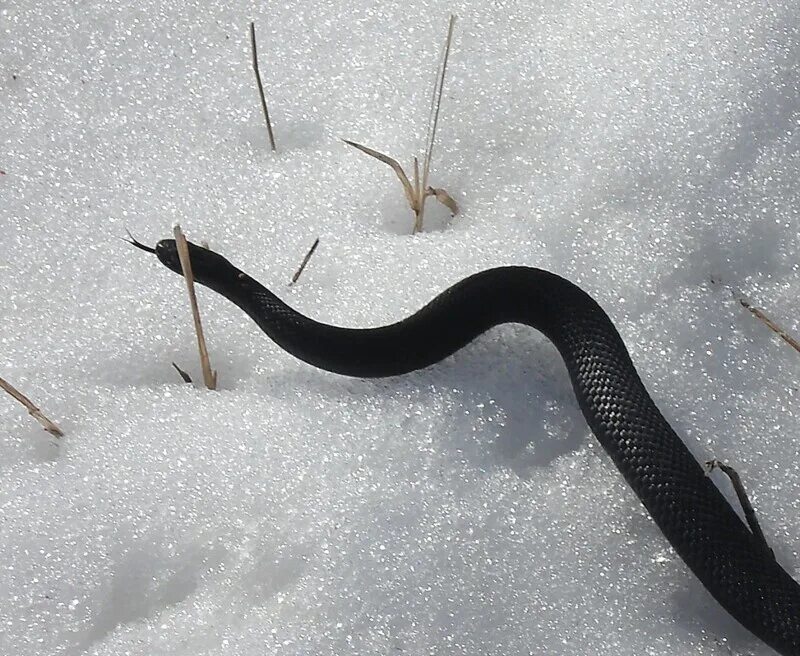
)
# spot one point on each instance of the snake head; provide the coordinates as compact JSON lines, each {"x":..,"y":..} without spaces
{"x":208,"y":268}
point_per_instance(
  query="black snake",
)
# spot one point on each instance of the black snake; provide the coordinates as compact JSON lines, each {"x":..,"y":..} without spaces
{"x":735,"y":566}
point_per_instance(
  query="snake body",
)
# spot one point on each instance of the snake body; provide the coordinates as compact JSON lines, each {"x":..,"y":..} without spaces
{"x":734,"y":566}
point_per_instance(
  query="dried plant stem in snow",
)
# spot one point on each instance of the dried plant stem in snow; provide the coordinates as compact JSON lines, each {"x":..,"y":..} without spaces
{"x":48,"y":425}
{"x":741,"y":494}
{"x":774,"y":327}
{"x":209,"y":376}
{"x":433,"y":122}
{"x":305,"y":261}
{"x":261,"y":86}
{"x":417,"y":192}
{"x":410,"y":191}
{"x":186,"y":377}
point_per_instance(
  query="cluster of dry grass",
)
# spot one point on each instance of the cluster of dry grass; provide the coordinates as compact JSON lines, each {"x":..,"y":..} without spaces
{"x":419,"y":191}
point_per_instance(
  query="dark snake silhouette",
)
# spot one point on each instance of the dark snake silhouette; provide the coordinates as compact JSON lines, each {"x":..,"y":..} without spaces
{"x":734,"y":565}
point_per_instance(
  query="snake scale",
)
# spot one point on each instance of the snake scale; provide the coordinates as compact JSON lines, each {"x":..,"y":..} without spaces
{"x":735,"y":566}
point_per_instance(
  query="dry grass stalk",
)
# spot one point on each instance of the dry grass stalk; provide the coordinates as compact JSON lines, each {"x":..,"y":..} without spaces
{"x":209,"y":375}
{"x":433,"y":122}
{"x":305,"y":261}
{"x":410,"y":191}
{"x":417,"y":192}
{"x":774,"y":327}
{"x":33,"y":411}
{"x":261,"y":86}
{"x":741,"y":494}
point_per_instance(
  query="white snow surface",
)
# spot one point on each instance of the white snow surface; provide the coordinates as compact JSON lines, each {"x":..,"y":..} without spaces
{"x":649,"y":151}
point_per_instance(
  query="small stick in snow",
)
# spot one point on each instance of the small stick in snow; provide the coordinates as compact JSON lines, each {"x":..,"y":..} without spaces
{"x":774,"y":327}
{"x":260,"y":86}
{"x":33,"y":411}
{"x":186,"y":377}
{"x":749,"y":512}
{"x":305,"y":261}
{"x":209,"y":375}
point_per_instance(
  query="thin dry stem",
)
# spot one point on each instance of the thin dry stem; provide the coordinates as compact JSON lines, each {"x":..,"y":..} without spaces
{"x":302,"y":266}
{"x":417,"y":180}
{"x":433,"y":124}
{"x":401,"y":174}
{"x":209,"y":376}
{"x":33,"y":411}
{"x":774,"y":327}
{"x":741,"y":494}
{"x":261,"y":86}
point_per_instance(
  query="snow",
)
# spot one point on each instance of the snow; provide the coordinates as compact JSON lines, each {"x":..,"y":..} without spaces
{"x":640,"y":149}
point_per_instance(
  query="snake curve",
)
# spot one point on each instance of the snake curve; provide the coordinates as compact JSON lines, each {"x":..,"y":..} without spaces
{"x":733,"y":565}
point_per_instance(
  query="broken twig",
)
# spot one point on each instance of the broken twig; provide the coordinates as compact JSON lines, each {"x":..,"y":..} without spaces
{"x":741,"y":494}
{"x":260,"y":86}
{"x":33,"y":411}
{"x":774,"y":327}
{"x":209,"y":376}
{"x":186,"y":377}
{"x":305,"y":261}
